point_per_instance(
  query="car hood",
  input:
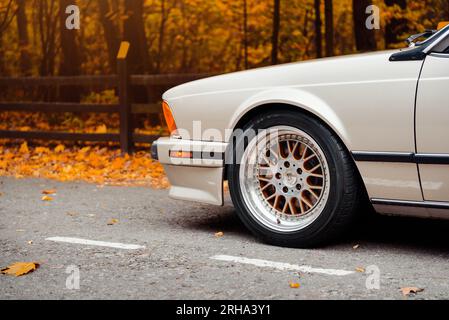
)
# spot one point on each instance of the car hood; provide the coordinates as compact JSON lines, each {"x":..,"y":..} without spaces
{"x":359,"y":67}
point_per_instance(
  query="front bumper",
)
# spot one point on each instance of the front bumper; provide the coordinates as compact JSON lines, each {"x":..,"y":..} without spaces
{"x":198,"y":177}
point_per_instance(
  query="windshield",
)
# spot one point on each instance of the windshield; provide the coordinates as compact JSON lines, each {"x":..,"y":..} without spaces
{"x":433,"y":37}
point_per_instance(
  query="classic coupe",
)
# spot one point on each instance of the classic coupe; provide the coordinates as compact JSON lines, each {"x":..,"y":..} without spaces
{"x":304,"y":145}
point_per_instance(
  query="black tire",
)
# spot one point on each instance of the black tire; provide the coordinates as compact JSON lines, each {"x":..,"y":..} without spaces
{"x":345,"y":194}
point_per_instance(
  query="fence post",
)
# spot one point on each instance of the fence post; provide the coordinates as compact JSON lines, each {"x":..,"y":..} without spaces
{"x":126,"y":130}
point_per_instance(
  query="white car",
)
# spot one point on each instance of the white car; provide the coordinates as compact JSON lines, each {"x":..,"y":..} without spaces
{"x":302,"y":145}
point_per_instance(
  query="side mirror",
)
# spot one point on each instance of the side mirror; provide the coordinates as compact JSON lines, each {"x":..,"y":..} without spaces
{"x":442,"y":24}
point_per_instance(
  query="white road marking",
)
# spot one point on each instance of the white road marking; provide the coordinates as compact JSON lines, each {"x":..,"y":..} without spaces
{"x":282,"y":266}
{"x":96,"y":243}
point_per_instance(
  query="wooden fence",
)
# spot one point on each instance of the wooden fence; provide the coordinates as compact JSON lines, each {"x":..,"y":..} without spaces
{"x":123,"y":81}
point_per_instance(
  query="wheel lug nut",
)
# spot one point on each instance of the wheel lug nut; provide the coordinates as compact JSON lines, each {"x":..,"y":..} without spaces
{"x":287,"y":164}
{"x":278,"y":176}
{"x":298,"y":186}
{"x":299,"y":171}
{"x":285,"y":189}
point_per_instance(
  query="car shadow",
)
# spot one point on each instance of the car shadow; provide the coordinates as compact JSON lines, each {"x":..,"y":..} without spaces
{"x":225,"y":220}
{"x":404,"y":233}
{"x":389,"y":233}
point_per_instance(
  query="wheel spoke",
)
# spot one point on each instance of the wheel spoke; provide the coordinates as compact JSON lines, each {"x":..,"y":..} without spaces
{"x":310,"y":157}
{"x":276,"y":201}
{"x":315,"y":175}
{"x":284,"y":210}
{"x":315,"y":168}
{"x":264,"y":171}
{"x":304,"y":152}
{"x":272,"y":197}
{"x":292,"y":209}
{"x":264,"y":179}
{"x":303,"y":210}
{"x":294,"y":148}
{"x":307,"y":202}
{"x":313,"y":194}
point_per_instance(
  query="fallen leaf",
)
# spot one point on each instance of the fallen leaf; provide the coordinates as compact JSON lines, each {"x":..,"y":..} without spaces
{"x":219,"y":234}
{"x":294,"y":285}
{"x":24,"y":148}
{"x":112,"y":222}
{"x":72,"y":214}
{"x":41,"y":150}
{"x":47,"y":198}
{"x":85,"y":150}
{"x":49,"y":192}
{"x":30,"y":242}
{"x":102,"y":129}
{"x":411,"y":290}
{"x":20,"y":268}
{"x":117,"y":164}
{"x":356,"y":247}
{"x":60,"y":148}
{"x":360,"y":270}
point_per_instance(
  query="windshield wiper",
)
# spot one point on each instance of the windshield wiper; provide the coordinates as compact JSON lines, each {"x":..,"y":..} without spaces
{"x":427,"y":34}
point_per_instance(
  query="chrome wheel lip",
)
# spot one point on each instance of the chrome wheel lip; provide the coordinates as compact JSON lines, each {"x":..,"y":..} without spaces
{"x":251,"y":190}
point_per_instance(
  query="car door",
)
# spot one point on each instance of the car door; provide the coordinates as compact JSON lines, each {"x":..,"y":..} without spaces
{"x":432,"y":124}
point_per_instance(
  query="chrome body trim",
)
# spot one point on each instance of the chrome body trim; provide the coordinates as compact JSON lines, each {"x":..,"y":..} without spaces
{"x":401,"y":157}
{"x":423,"y":209}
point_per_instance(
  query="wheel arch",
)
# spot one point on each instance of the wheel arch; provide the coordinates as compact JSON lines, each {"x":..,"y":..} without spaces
{"x":289,"y":107}
{"x":293,"y":99}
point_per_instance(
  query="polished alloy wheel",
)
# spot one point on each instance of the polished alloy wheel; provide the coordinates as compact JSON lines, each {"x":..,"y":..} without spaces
{"x":284,"y":179}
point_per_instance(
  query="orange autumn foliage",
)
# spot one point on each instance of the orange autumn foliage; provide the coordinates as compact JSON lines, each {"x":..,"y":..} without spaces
{"x":100,"y":165}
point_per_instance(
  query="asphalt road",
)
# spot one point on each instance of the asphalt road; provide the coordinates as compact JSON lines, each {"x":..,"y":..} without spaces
{"x":179,"y":240}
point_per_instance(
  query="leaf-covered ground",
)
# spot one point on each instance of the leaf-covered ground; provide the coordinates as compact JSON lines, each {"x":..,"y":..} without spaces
{"x":102,"y":165}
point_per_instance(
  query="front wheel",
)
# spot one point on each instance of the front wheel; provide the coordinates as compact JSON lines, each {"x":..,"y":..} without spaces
{"x":292,"y":183}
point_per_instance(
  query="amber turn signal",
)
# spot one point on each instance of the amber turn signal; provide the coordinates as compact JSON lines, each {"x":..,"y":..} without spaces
{"x":181,"y":154}
{"x":442,"y":24}
{"x":169,"y":119}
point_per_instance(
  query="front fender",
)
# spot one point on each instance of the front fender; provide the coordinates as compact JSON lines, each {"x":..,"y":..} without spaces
{"x":294,"y":97}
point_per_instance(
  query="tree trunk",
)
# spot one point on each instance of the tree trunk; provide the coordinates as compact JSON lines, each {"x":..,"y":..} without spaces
{"x":47,"y":22}
{"x":24,"y":39}
{"x":134,"y":32}
{"x":329,"y":12}
{"x":7,"y":14}
{"x":397,"y":26}
{"x":2,"y":58}
{"x":111,"y":33}
{"x":276,"y":28}
{"x":161,"y":37}
{"x":70,"y":64}
{"x":318,"y":34}
{"x":364,"y":38}
{"x":245,"y":32}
